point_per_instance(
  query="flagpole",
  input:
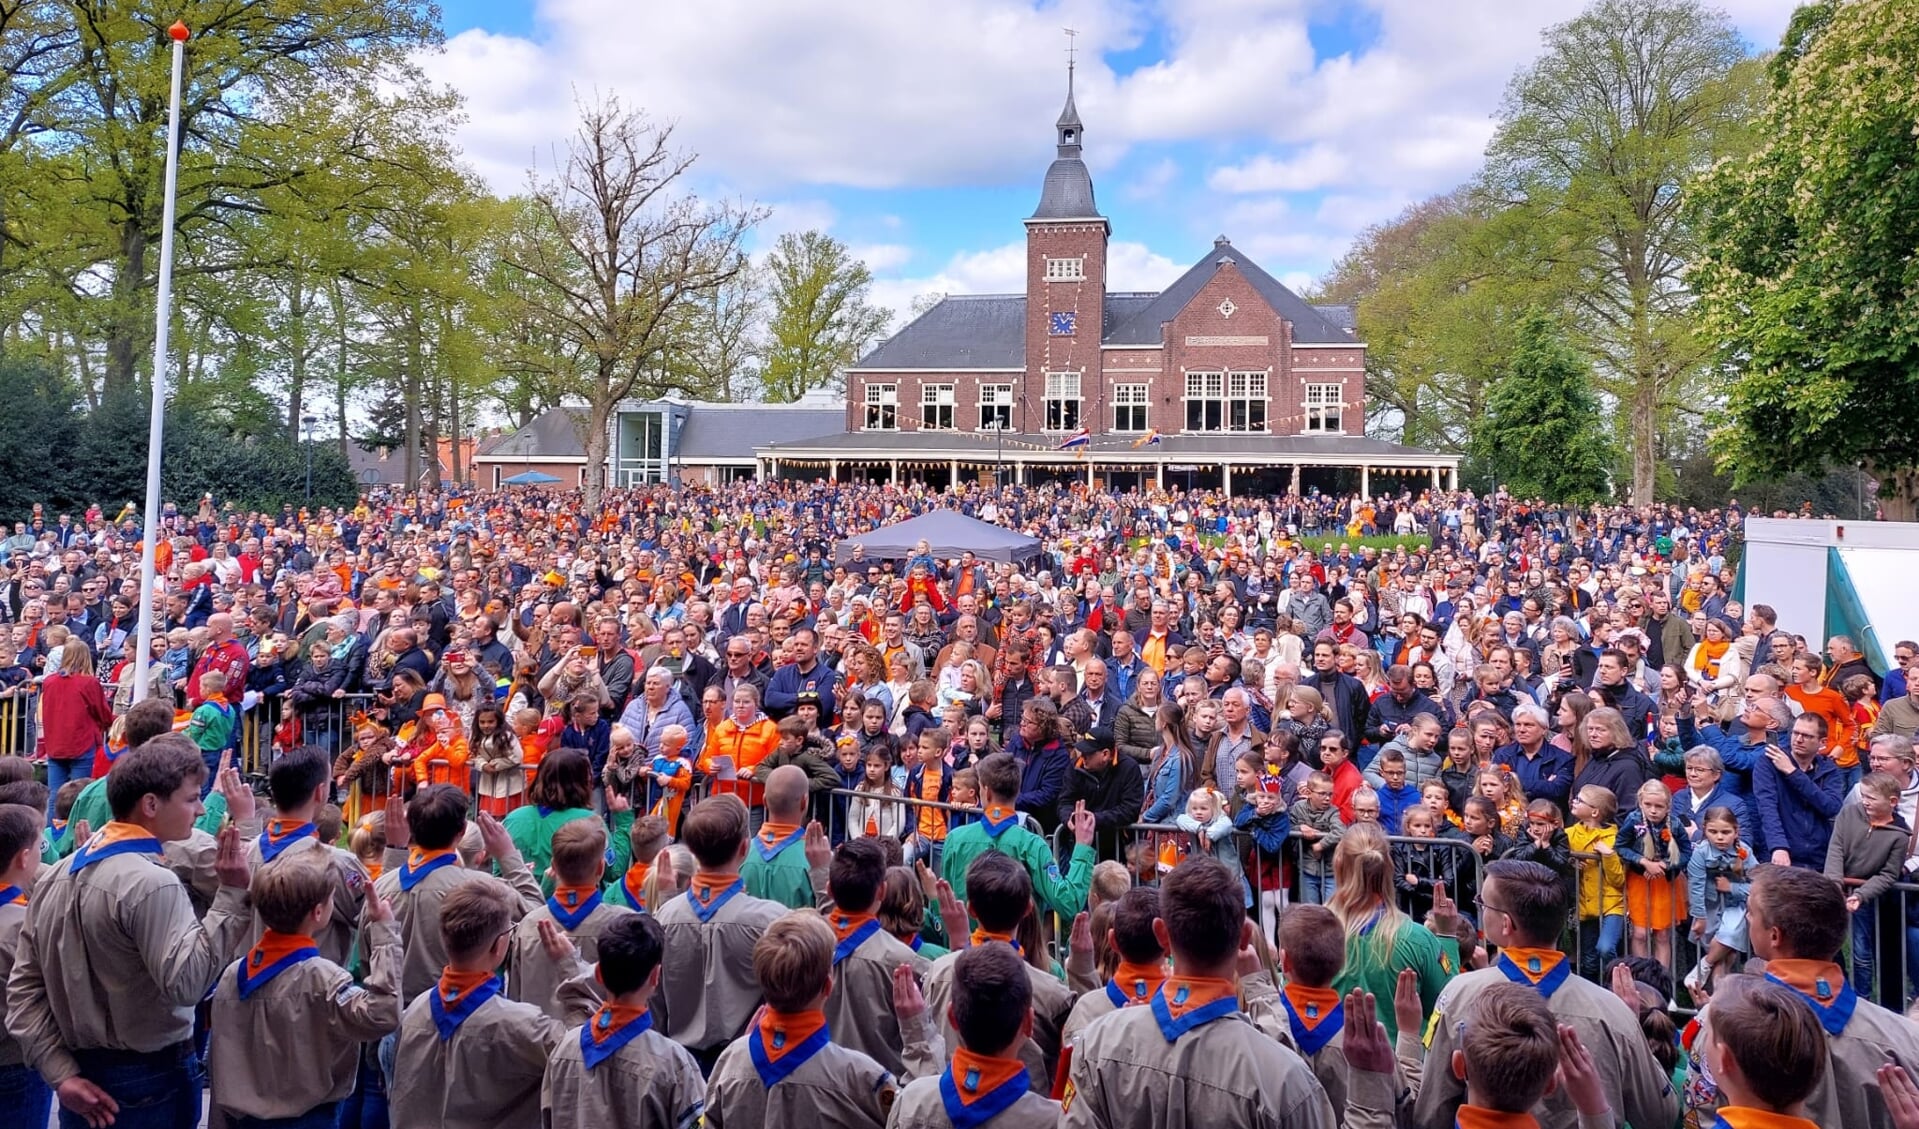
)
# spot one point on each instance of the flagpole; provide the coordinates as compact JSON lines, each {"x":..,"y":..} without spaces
{"x":156,"y":423}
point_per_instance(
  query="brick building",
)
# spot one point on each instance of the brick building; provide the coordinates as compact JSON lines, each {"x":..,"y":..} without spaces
{"x":1224,"y":379}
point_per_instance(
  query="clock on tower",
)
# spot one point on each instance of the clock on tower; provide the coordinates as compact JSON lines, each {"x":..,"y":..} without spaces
{"x":1063,"y":323}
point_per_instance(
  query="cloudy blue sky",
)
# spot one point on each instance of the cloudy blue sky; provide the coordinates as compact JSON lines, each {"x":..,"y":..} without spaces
{"x":917,"y":130}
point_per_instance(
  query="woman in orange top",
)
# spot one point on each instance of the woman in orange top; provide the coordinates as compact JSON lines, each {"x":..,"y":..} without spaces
{"x":434,"y":747}
{"x":748,"y":737}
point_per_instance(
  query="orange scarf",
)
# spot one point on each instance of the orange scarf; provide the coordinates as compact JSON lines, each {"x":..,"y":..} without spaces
{"x":1707,"y":661}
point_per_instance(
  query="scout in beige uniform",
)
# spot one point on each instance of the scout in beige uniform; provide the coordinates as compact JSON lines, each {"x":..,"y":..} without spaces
{"x":616,"y":1071}
{"x":1312,"y":950}
{"x":1142,"y":963}
{"x":1510,"y":1053}
{"x":1767,"y":1050}
{"x":576,"y":905}
{"x":111,"y":961}
{"x":287,"y":1022}
{"x":468,"y":1057}
{"x":297,"y":788}
{"x":860,"y":1009}
{"x":21,"y":1088}
{"x":1002,"y":899}
{"x":986,"y":1085}
{"x":786,"y":1070}
{"x":1797,"y":920}
{"x":708,"y":992}
{"x":434,"y":821}
{"x":1191,"y":1059}
{"x":1523,"y":907}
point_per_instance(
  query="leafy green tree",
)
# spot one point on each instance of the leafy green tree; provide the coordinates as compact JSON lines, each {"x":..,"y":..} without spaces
{"x":821,"y":320}
{"x":1543,"y":435}
{"x":1807,"y":281}
{"x":1597,"y":143}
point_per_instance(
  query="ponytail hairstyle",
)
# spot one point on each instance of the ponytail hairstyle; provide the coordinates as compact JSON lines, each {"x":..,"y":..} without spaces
{"x":1363,"y":896}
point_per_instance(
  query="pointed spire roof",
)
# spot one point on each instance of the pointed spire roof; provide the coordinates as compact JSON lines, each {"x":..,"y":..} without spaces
{"x":1068,"y":190}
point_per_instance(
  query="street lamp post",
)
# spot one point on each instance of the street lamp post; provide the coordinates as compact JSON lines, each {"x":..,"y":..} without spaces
{"x":156,"y":424}
{"x":306,"y":438}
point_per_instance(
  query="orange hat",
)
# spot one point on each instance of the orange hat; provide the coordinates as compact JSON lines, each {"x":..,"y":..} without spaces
{"x":433,"y":702}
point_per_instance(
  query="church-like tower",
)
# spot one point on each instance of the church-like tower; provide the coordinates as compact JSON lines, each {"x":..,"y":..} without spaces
{"x":1065,"y":290}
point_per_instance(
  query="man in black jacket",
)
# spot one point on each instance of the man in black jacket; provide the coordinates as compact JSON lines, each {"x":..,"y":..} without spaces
{"x":1109,"y":785}
{"x":1344,"y":693}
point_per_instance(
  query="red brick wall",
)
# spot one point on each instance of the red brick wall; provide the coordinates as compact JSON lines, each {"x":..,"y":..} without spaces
{"x":1085,"y":299}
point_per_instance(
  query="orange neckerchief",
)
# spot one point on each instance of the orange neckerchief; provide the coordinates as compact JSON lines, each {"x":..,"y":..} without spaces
{"x":771,"y":832}
{"x":975,"y":1075}
{"x":572,"y":897}
{"x":981,"y":937}
{"x":1313,"y":1005}
{"x":635,"y":880}
{"x":118,"y":832}
{"x":1815,"y":979}
{"x":274,"y":945}
{"x":417,"y":857}
{"x":1523,"y":959}
{"x":1473,"y":1117}
{"x":1139,"y":981}
{"x":706,"y":887}
{"x":455,"y":985}
{"x":611,"y":1019}
{"x":782,"y":1031}
{"x":1743,"y":1117}
{"x":1198,"y":992}
{"x":846,"y":924}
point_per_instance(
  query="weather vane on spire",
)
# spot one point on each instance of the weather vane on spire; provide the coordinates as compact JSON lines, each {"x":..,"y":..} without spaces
{"x":1071,"y":36}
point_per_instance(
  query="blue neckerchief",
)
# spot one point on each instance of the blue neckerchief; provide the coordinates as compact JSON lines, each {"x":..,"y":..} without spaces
{"x":14,"y":894}
{"x":409,"y":877}
{"x":773,"y":1073}
{"x":767,"y":853}
{"x":987,"y":1106}
{"x":86,"y":857}
{"x":271,"y":848}
{"x":633,"y":898}
{"x":705,"y":910}
{"x":594,"y":1053}
{"x":1311,"y":1040}
{"x":1117,"y":994}
{"x":571,"y":919}
{"x":1172,"y":1028}
{"x":253,"y":979}
{"x":1546,"y":985}
{"x":1833,"y":1016}
{"x":447,"y":1020}
{"x":854,"y":940}
{"x":914,"y":944}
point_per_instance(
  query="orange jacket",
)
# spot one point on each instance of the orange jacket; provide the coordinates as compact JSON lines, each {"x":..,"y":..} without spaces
{"x":1831,"y":705}
{"x":438,"y":762}
{"x":748,"y":745}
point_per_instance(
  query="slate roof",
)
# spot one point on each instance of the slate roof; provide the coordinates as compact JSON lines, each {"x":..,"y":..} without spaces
{"x":1067,"y":193}
{"x":731,"y":431}
{"x":1345,"y":317}
{"x":963,"y":331}
{"x":553,"y":434}
{"x":1310,"y":326}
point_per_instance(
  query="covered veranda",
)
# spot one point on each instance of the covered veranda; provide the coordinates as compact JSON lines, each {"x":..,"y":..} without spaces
{"x":1232,"y":464}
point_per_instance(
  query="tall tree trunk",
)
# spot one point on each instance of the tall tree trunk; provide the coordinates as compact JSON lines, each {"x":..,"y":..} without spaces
{"x":338,"y":291}
{"x":297,"y":363}
{"x":599,"y":422}
{"x":435,"y":404}
{"x":1645,"y":440}
{"x":412,"y":391}
{"x":454,"y":459}
{"x":128,"y":321}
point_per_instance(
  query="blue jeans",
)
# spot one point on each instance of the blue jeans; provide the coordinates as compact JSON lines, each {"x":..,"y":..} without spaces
{"x":366,"y":1107}
{"x":319,"y":1117}
{"x":1599,"y":940}
{"x":24,"y":1096}
{"x":154,"y":1091}
{"x":1315,"y":889}
{"x":61,"y":771}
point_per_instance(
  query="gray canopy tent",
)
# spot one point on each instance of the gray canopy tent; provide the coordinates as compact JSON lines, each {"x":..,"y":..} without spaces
{"x":949,"y":532}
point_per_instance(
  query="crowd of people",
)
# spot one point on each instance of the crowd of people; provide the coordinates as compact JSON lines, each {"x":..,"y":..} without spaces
{"x":669,"y":811}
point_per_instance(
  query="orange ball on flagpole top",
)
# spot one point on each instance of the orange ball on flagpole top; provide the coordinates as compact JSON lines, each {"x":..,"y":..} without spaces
{"x":179,"y":31}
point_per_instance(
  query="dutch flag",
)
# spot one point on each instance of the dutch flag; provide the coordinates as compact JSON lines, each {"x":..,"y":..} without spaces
{"x":1079,"y":438}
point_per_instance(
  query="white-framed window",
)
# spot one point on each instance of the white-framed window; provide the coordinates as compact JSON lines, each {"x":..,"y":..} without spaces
{"x":996,"y":407}
{"x":1226,"y":401}
{"x":1066,"y":270}
{"x":882,"y":407}
{"x":1129,"y":406}
{"x":936,"y":407}
{"x":1322,"y":403}
{"x":1062,"y":401}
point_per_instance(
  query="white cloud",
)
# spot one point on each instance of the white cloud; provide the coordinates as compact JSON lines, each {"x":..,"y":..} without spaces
{"x":882,"y":256}
{"x":1312,"y":168}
